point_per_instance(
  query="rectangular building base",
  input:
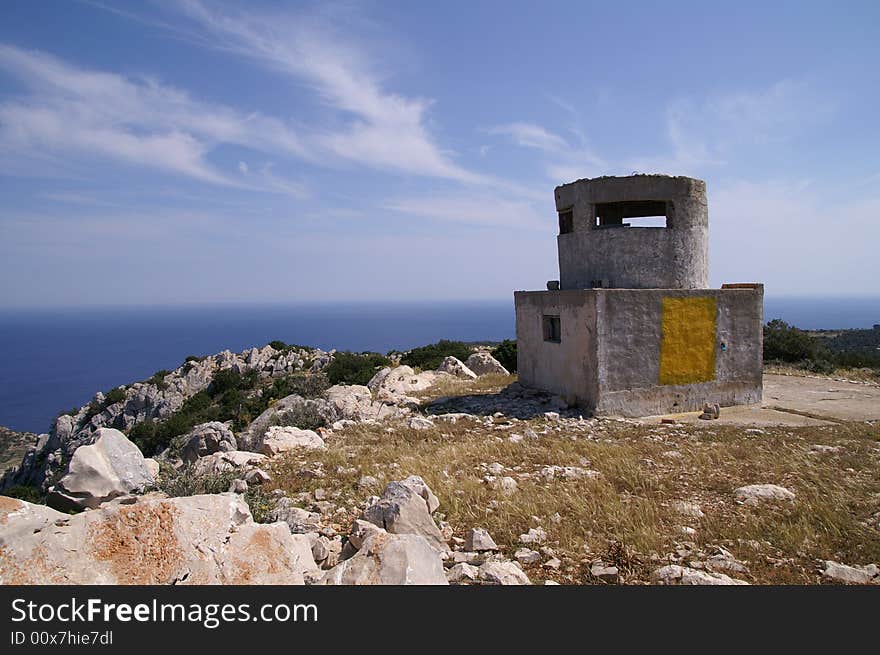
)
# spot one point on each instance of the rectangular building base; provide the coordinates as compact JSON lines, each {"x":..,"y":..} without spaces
{"x":641,"y":352}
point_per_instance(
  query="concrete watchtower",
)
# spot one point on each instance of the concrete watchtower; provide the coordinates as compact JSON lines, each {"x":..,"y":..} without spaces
{"x":599,"y":248}
{"x":632,"y":327}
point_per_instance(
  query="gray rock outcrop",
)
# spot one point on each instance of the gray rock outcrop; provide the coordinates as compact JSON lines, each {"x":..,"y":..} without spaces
{"x":454,"y":366}
{"x":279,"y":440}
{"x":400,"y":510}
{"x":207,"y":439}
{"x":482,"y":363}
{"x":111,"y":467}
{"x":155,"y":399}
{"x":754,"y":494}
{"x":390,"y":559}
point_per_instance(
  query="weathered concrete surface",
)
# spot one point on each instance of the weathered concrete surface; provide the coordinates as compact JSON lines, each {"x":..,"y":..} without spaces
{"x":787,"y":398}
{"x":674,"y":257}
{"x":845,"y":401}
{"x":608,"y":359}
{"x":569,"y":367}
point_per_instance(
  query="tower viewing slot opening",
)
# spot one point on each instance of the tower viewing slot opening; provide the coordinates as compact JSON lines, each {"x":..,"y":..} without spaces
{"x":648,"y":213}
{"x":566,"y":221}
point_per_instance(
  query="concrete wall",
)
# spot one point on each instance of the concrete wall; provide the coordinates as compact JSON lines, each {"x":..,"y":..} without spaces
{"x":619,"y":345}
{"x":631,"y":334}
{"x":674,"y":257}
{"x":567,"y":368}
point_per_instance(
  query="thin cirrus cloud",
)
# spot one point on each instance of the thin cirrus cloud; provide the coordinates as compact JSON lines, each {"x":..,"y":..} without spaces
{"x":74,"y":111}
{"x":384,"y":130}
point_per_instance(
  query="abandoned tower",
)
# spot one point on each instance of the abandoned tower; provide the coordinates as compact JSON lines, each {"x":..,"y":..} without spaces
{"x":631,"y":327}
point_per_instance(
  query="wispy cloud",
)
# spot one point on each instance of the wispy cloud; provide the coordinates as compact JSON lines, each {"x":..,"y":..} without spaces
{"x":530,"y":135}
{"x":710,"y":131}
{"x":380,"y":129}
{"x":564,"y":160}
{"x":71,"y":110}
{"x":472,"y":209}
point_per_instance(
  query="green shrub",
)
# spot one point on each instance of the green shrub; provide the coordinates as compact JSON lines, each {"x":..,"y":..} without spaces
{"x":305,"y":417}
{"x":278,"y":345}
{"x":307,"y":385}
{"x":429,"y":357}
{"x":229,"y":379}
{"x":354,"y":368}
{"x":27,"y":494}
{"x":260,"y":502}
{"x":114,"y":396}
{"x":505,"y":352}
{"x":158,"y":379}
{"x":784,"y":342}
{"x":185,"y":481}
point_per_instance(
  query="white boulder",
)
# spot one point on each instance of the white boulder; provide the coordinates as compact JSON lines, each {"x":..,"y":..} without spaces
{"x":482,"y":363}
{"x":110,"y":467}
{"x":280,"y":439}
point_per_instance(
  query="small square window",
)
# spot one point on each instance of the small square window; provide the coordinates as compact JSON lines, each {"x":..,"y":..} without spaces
{"x":552,"y":331}
{"x":566,"y":222}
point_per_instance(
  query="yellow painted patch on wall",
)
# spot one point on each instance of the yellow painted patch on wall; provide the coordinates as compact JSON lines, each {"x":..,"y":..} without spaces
{"x":687,"y":348}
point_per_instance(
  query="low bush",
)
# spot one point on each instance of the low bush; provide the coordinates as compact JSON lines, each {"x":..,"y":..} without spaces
{"x":429,"y":357}
{"x":186,"y":482}
{"x":786,"y":343}
{"x":354,"y":368}
{"x":114,"y":396}
{"x":27,"y":494}
{"x":304,"y":416}
{"x":307,"y":385}
{"x":505,"y":353}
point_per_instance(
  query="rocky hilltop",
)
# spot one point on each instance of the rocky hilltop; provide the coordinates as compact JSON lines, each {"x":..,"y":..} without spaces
{"x":291,"y":465}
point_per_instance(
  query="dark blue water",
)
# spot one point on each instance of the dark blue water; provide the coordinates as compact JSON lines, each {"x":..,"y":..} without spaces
{"x":53,"y":360}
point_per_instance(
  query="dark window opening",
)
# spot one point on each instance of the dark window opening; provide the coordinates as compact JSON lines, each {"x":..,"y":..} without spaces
{"x":552,"y":330}
{"x":566,"y":222}
{"x":648,"y":213}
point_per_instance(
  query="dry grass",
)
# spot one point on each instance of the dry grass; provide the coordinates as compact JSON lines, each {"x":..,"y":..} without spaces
{"x":627,"y":513}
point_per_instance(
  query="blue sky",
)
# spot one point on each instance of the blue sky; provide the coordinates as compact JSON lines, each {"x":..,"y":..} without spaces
{"x":179,"y":152}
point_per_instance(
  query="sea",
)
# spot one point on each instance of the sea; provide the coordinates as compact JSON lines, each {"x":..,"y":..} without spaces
{"x":52,"y":360}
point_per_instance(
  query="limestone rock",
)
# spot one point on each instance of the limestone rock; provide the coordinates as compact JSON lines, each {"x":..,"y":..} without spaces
{"x":298,"y":520}
{"x":280,"y":439}
{"x":462,"y":572}
{"x":478,"y":539}
{"x":111,"y":467}
{"x":533,"y":536}
{"x":482,"y":363}
{"x":153,"y":467}
{"x":503,"y":573}
{"x":401,"y":510}
{"x":604,"y":572}
{"x":836,"y":572}
{"x":353,"y":402}
{"x":401,"y":381}
{"x":754,"y":494}
{"x":208,"y":539}
{"x":527,"y":556}
{"x":420,"y":423}
{"x":417,"y":484}
{"x":390,"y":559}
{"x":673,"y":574}
{"x":456,"y":367}
{"x":239,"y":461}
{"x":207,"y":439}
{"x":284,"y":412}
